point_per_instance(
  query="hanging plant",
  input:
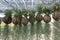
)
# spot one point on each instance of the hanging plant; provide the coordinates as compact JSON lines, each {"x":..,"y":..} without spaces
{"x":25,"y":22}
{"x":17,"y":21}
{"x":14,"y":20}
{"x":47,"y":19}
{"x":56,"y":11}
{"x":32,"y":20}
{"x":56,"y":17}
{"x":7,"y":20}
{"x":47,"y":12}
{"x":39,"y":18}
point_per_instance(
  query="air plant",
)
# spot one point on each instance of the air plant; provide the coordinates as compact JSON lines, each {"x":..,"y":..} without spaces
{"x":32,"y":20}
{"x":24,"y":21}
{"x":47,"y":19}
{"x":39,"y":18}
{"x":17,"y":23}
{"x":7,"y":20}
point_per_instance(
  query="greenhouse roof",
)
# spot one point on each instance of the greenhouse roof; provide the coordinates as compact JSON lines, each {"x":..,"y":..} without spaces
{"x":9,"y":4}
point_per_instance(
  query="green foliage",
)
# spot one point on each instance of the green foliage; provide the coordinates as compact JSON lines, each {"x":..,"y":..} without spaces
{"x":24,"y":11}
{"x":32,"y":12}
{"x":39,"y":8}
{"x":17,"y":12}
{"x":56,"y":7}
{"x":47,"y":10}
{"x":8,"y":13}
{"x":31,"y":16}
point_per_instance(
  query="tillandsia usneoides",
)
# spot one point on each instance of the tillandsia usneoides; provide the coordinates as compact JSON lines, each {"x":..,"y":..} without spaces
{"x":17,"y":32}
{"x":20,"y":32}
{"x":56,"y":30}
{"x":25,"y":32}
{"x":38,"y":30}
{"x":32,"y":31}
{"x":14,"y":32}
{"x":47,"y":31}
{"x":6,"y":32}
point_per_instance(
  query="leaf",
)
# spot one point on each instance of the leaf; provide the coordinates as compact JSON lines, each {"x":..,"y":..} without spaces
{"x":47,"y":10}
{"x":56,"y":7}
{"x":39,"y":8}
{"x":8,"y":12}
{"x":24,"y":11}
{"x":17,"y":12}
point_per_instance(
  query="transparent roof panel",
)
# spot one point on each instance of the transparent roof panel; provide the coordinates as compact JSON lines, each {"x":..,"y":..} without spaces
{"x":8,"y":4}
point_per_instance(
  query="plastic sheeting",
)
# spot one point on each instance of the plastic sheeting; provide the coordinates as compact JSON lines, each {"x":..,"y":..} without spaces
{"x":8,"y":4}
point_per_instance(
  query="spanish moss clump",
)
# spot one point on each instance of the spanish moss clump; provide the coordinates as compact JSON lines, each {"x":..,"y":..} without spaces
{"x":56,"y":30}
{"x":38,"y":30}
{"x":6,"y":32}
{"x":47,"y":31}
{"x":14,"y":20}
